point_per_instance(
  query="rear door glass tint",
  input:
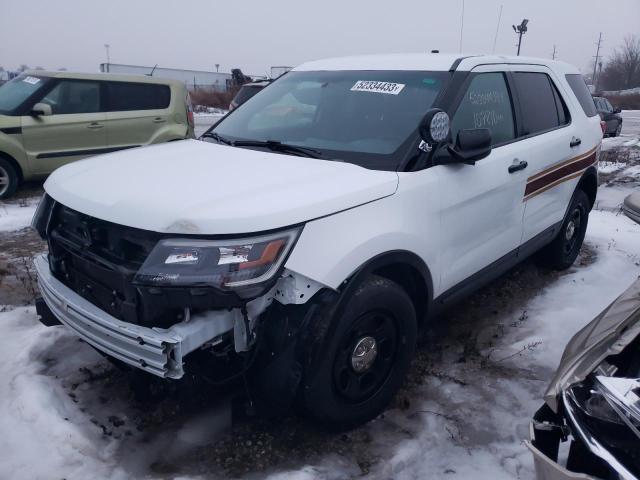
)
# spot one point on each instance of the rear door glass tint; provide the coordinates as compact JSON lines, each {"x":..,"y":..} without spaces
{"x":125,"y":96}
{"x":537,"y":102}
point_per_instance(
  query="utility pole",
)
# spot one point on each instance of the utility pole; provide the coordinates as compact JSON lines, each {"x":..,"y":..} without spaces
{"x":106,"y":47}
{"x":520,"y":30}
{"x":597,"y":84}
{"x":553,"y":56}
{"x":595,"y":63}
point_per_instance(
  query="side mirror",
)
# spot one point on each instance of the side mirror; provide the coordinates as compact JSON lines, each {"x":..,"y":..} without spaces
{"x":435,"y":126}
{"x":41,"y":109}
{"x":471,"y":145}
{"x":617,"y":110}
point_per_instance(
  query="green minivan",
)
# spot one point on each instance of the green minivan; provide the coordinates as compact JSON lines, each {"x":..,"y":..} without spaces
{"x":48,"y":119}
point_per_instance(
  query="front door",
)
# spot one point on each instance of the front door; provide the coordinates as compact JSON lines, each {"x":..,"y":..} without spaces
{"x":482,"y":208}
{"x":74,"y":130}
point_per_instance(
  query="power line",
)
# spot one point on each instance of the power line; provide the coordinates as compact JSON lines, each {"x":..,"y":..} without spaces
{"x":461,"y":26}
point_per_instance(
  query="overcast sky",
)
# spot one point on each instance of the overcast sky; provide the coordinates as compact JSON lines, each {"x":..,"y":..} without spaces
{"x":254,"y":35}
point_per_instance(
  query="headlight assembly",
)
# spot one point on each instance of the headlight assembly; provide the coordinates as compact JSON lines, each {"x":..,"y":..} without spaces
{"x":223,"y":264}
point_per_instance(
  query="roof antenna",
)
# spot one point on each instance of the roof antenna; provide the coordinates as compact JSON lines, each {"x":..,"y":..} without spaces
{"x":152,"y":70}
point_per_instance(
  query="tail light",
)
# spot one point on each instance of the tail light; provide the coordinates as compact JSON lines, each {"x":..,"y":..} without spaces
{"x":603,"y":126}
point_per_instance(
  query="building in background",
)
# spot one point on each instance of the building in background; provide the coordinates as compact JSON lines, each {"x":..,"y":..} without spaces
{"x":194,"y":79}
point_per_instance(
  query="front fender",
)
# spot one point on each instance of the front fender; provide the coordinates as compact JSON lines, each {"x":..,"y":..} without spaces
{"x":331,"y":249}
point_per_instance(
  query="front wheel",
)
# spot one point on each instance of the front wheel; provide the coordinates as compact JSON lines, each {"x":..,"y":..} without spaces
{"x":8,"y":179}
{"x":563,"y":250}
{"x":618,"y":130}
{"x":364,"y":358}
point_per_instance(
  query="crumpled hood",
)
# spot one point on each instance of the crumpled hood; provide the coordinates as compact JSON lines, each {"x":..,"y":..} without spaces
{"x":608,"y":334}
{"x":197,"y":187}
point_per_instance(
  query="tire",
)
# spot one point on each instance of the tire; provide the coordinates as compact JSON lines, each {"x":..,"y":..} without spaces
{"x":563,"y":250}
{"x":9,"y":179}
{"x":617,"y":131}
{"x":341,"y":392}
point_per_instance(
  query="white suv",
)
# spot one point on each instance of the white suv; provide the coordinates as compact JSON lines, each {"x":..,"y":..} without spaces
{"x":317,"y":228}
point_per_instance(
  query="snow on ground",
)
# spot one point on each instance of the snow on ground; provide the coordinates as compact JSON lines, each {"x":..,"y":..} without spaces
{"x":455,"y":428}
{"x":205,"y":119}
{"x":630,"y":134}
{"x":17,"y":214}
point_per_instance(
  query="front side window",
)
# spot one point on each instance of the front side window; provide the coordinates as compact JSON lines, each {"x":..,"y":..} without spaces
{"x":537,"y":102}
{"x":73,"y":96}
{"x":486,"y":104}
{"x":364,"y":117}
{"x":124,"y":96}
{"x":17,"y":91}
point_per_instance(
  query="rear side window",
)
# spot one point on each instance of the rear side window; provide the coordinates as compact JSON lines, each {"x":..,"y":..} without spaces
{"x":245,"y":93}
{"x":541,"y":105}
{"x":581,"y":91}
{"x":125,"y":97}
{"x":486,"y":104}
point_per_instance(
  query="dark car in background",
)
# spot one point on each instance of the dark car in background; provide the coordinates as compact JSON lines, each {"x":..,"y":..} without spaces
{"x":610,"y":116}
{"x":247,"y":91}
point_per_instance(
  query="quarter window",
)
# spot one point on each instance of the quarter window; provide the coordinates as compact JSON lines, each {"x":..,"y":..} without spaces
{"x":541,"y":105}
{"x":581,"y":91}
{"x":486,"y":104}
{"x":73,"y":96}
{"x":125,"y":96}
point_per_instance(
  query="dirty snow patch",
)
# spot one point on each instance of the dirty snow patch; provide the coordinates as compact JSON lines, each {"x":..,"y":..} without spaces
{"x":17,"y":215}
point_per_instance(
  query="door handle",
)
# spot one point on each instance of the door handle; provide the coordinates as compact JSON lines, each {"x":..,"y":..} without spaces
{"x":159,"y":120}
{"x":95,"y":125}
{"x":575,"y":142}
{"x":518,"y":165}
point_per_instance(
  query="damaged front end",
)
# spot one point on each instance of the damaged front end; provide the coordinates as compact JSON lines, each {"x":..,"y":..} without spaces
{"x":594,"y":401}
{"x":149,"y":299}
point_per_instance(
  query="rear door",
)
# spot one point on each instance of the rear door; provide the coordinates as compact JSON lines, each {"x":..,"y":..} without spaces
{"x":482,"y":205}
{"x":551,"y":147}
{"x":76,"y":128}
{"x":136,"y":113}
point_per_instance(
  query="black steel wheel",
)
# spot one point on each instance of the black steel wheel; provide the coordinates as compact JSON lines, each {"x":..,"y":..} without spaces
{"x":362,"y":357}
{"x":563,"y":250}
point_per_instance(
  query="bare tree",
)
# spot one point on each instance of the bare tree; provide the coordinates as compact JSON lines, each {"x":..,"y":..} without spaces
{"x":623,"y":68}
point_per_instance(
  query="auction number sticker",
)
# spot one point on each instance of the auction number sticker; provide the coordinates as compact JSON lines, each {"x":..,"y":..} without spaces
{"x":31,"y":80}
{"x":378,"y":87}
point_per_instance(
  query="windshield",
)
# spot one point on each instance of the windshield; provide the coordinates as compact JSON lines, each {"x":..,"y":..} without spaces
{"x":17,"y":91}
{"x":364,"y":117}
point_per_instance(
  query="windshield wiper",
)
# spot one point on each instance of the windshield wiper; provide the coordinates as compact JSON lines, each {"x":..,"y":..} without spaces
{"x":216,"y":137}
{"x":277,"y":146}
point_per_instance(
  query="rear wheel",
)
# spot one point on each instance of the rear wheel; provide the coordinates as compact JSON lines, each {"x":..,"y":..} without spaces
{"x":616,"y":133}
{"x":8,"y":179}
{"x":563,"y":250}
{"x":364,"y":358}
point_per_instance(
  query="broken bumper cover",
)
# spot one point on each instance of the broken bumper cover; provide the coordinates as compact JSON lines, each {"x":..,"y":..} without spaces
{"x":157,"y":351}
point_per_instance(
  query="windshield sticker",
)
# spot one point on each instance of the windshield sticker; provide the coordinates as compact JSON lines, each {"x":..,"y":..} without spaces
{"x":377,"y":87}
{"x":31,"y":80}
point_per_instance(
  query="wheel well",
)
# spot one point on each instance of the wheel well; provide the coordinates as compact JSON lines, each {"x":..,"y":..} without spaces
{"x":411,"y":280}
{"x":15,"y":165}
{"x":589,"y":185}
